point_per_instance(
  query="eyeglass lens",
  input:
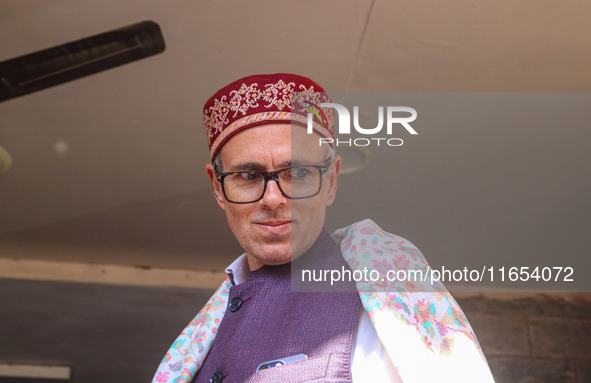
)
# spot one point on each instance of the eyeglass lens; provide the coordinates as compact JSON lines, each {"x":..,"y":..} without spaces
{"x":295,"y":182}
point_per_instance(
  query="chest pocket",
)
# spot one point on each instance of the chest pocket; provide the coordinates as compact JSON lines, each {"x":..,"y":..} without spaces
{"x":307,"y":370}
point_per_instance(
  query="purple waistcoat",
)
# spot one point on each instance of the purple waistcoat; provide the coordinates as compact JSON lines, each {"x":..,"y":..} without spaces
{"x":265,"y":321}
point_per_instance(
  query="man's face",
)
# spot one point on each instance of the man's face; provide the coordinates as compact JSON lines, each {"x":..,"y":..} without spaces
{"x":275,"y":229}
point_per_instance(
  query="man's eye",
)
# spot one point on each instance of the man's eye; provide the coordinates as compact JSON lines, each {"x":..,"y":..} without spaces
{"x":300,"y":173}
{"x":249,"y":176}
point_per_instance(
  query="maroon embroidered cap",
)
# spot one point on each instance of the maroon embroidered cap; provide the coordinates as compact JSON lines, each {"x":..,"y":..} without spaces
{"x":263,"y":99}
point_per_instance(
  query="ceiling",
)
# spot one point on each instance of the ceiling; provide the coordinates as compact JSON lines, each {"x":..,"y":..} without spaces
{"x":110,"y":168}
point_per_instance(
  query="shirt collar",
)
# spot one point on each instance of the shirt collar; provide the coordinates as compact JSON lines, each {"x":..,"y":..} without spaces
{"x":238,"y":270}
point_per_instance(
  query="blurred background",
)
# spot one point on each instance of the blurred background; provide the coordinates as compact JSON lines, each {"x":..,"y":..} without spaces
{"x":110,"y":240}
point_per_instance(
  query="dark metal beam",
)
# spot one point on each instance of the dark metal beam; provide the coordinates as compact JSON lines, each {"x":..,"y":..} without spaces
{"x":67,"y":62}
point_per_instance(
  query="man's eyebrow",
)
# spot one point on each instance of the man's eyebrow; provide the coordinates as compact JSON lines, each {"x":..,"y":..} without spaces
{"x":246,"y":166}
{"x":295,"y":162}
{"x":255,"y":166}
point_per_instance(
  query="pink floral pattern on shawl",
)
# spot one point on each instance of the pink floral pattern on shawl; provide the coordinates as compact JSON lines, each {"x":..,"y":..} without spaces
{"x":423,"y":329}
{"x":187,"y":353}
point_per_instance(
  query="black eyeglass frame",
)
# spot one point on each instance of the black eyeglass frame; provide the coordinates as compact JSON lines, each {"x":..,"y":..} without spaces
{"x":274,"y":175}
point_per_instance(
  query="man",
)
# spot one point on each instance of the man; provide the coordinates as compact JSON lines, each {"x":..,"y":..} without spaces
{"x":274,"y":183}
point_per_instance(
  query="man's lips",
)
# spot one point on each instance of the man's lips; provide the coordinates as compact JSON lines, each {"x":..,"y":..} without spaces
{"x":274,"y":226}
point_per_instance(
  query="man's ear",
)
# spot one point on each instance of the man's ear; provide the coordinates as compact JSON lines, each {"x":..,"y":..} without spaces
{"x":332,"y":179}
{"x":217,"y":187}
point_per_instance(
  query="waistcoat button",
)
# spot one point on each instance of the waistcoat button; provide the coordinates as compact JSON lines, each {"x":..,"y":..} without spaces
{"x":216,"y":377}
{"x":235,"y":304}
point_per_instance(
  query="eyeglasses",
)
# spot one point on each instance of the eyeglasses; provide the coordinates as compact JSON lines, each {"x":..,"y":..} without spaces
{"x":295,"y":182}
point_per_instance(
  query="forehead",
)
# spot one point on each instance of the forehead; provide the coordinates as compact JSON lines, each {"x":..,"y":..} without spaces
{"x":272,"y":145}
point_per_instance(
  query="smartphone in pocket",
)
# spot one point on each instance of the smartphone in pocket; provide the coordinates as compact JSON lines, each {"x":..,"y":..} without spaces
{"x":281,"y":361}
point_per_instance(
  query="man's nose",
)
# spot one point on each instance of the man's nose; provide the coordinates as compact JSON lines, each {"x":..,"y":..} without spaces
{"x":273,"y":196}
